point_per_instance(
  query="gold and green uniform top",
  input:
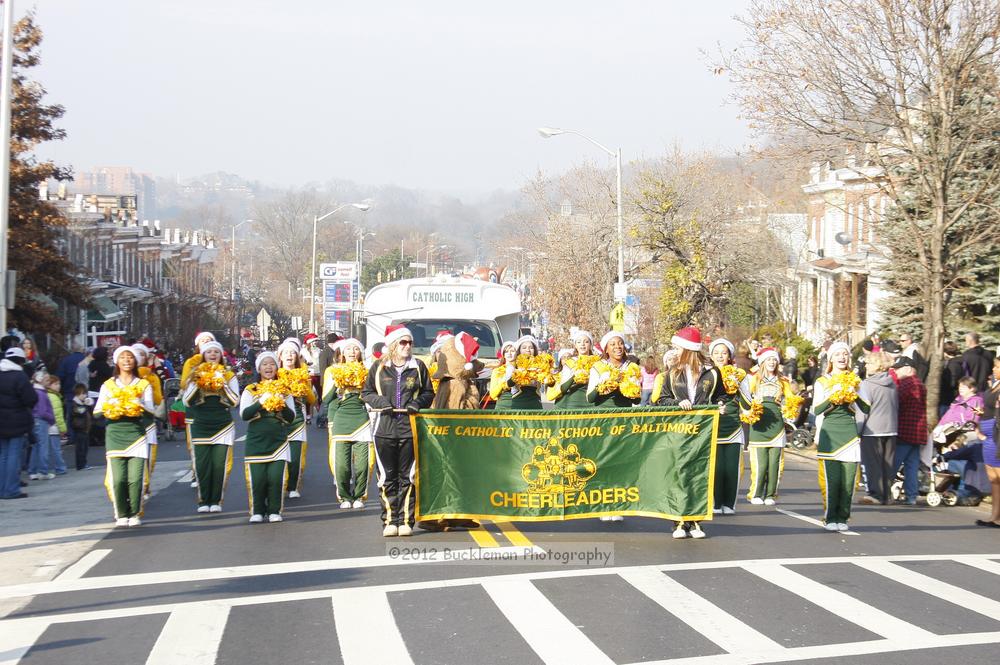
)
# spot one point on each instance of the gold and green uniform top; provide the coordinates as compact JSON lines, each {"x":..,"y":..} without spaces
{"x":209,"y":414}
{"x":125,"y":436}
{"x":568,"y":393}
{"x":267,"y":431}
{"x":771,"y":391}
{"x":597,"y":376}
{"x":346,"y":412}
{"x":838,"y":425}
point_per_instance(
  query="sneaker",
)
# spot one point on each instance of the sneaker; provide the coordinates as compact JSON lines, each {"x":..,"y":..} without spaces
{"x":194,"y":483}
{"x":831,"y":526}
{"x":294,"y":495}
{"x":256,"y":519}
{"x":404,"y":530}
{"x":357,"y":505}
{"x":757,"y":501}
{"x":769,"y":501}
{"x":50,"y":476}
{"x":617,"y":518}
{"x":842,"y":527}
{"x":726,"y":510}
{"x":605,"y":518}
{"x":716,"y":511}
{"x":869,"y":500}
{"x":34,"y":476}
{"x":680,"y":532}
{"x":344,"y":505}
{"x":145,"y":497}
{"x":134,"y":521}
{"x":390,"y":530}
{"x":696,"y":531}
{"x":215,"y":508}
{"x":274,"y":518}
{"x":121,"y":521}
{"x":202,"y":509}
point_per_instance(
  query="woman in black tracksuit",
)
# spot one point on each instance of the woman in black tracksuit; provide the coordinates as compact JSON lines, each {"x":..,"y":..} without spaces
{"x":397,"y":385}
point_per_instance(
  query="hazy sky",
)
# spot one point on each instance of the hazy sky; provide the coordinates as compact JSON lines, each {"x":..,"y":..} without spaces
{"x":431,"y":94}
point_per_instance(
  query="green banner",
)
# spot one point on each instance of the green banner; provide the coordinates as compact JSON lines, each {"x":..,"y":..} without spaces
{"x":558,"y":465}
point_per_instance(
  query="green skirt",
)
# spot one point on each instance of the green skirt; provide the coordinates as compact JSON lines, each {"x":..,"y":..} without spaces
{"x":770,"y":429}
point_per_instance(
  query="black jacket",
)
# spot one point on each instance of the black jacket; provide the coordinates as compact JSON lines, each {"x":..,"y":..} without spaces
{"x":709,"y":390}
{"x":325,"y":359}
{"x":394,"y":395}
{"x":17,"y":398}
{"x":978,"y":364}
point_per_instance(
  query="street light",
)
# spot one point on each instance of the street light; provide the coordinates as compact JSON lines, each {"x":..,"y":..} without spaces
{"x":549,"y":132}
{"x":359,"y":250}
{"x":363,"y":207}
{"x":430,"y":250}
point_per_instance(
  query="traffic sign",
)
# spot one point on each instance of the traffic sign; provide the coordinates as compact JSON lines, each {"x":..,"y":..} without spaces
{"x":341,"y":271}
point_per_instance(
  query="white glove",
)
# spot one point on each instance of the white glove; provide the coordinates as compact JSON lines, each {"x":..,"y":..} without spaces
{"x":685,"y":404}
{"x":604,"y":377}
{"x":722,"y":409}
{"x":509,"y":373}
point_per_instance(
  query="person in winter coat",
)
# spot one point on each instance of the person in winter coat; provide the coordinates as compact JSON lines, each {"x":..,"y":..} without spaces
{"x":57,"y":432}
{"x":80,"y":421}
{"x":40,"y":466}
{"x":978,"y":362}
{"x":17,"y":399}
{"x":878,"y":434}
{"x":790,"y":368}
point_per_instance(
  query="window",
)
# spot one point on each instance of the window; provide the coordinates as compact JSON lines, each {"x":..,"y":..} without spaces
{"x":425,"y":332}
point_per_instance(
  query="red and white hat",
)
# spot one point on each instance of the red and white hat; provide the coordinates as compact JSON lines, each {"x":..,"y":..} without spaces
{"x":394,"y":333}
{"x":442,"y":335}
{"x":203,"y":336}
{"x":309,"y":338}
{"x":687,"y":338}
{"x":769,"y":352}
{"x":467,"y":345}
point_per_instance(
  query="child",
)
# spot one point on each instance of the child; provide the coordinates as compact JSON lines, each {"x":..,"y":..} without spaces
{"x":79,"y":424}
{"x":38,"y":462}
{"x":57,"y":431}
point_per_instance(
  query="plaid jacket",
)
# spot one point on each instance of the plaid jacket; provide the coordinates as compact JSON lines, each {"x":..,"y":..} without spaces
{"x":912,"y":411}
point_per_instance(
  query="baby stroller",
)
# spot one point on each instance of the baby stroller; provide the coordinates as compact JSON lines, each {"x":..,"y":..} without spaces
{"x":175,"y":407}
{"x":937,"y":484}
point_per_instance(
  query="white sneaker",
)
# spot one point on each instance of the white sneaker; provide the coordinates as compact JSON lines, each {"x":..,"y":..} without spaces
{"x":145,"y":497}
{"x":34,"y":476}
{"x":344,"y":505}
{"x":769,"y":501}
{"x":194,"y":483}
{"x":680,"y":532}
{"x":831,"y":526}
{"x":294,"y":495}
{"x":274,"y":518}
{"x":202,"y":509}
{"x":256,"y":519}
{"x":617,"y":518}
{"x":358,"y":504}
{"x":716,"y":511}
{"x":215,"y":508}
{"x":843,"y":527}
{"x":404,"y":530}
{"x":134,"y":521}
{"x":606,"y":518}
{"x":696,"y":531}
{"x":390,"y":530}
{"x":50,"y":476}
{"x":726,"y":510}
{"x":121,"y":521}
{"x":757,"y":501}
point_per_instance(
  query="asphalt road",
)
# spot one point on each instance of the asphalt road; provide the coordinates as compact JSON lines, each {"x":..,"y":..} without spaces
{"x":906,"y":585}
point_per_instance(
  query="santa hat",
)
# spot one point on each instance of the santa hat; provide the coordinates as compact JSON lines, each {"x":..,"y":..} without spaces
{"x":291,"y":340}
{"x":120,"y":350}
{"x":581,"y":334}
{"x":203,"y":336}
{"x":394,"y":333}
{"x":467,"y":346}
{"x":149,"y":344}
{"x":141,"y":349}
{"x":289,"y":343}
{"x":838,"y":346}
{"x":503,"y":347}
{"x":724,"y":342}
{"x":442,"y":335}
{"x":309,"y":338}
{"x":264,"y":355}
{"x":687,"y":338}
{"x":608,"y":336}
{"x":769,"y":352}
{"x":344,"y":343}
{"x":526,"y":338}
{"x":205,"y":346}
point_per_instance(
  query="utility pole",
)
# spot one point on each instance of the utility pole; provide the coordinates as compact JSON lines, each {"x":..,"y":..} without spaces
{"x":5,"y":71}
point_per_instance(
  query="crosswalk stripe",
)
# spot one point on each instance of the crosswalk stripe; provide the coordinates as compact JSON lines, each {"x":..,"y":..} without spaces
{"x":191,"y":636}
{"x":838,"y":602}
{"x":81,"y":567}
{"x":983,"y":564}
{"x":514,"y":535}
{"x":361,"y":615}
{"x":546,"y":630}
{"x":949,"y":592}
{"x":14,"y":644}
{"x":704,"y":617}
{"x":483,"y":537}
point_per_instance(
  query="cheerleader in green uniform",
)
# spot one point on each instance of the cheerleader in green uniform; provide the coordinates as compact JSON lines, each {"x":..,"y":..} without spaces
{"x":766,"y":401}
{"x":186,"y":372}
{"x":614,"y":381}
{"x":210,"y":394}
{"x":840,"y":401}
{"x":290,"y":363}
{"x":570,"y":391}
{"x":124,"y":399}
{"x":692,"y":380}
{"x":729,"y":444}
{"x":145,"y":371}
{"x":499,"y":388}
{"x":525,"y":397}
{"x":349,"y":425}
{"x":268,"y":415}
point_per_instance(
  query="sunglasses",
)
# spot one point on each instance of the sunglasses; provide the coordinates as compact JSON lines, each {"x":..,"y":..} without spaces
{"x":406,"y":342}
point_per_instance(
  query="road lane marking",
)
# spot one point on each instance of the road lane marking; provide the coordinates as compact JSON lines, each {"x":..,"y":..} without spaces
{"x":366,"y":628}
{"x":14,"y":644}
{"x":83,"y":566}
{"x":927,"y":584}
{"x":703,"y":616}
{"x":483,"y":537}
{"x":191,"y":636}
{"x":812,"y":520}
{"x":838,"y":602}
{"x":983,"y":564}
{"x":546,"y":630}
{"x":514,"y":535}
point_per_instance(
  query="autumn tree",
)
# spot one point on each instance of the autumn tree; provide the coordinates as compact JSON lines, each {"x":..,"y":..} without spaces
{"x":36,"y":227}
{"x":897,"y":83}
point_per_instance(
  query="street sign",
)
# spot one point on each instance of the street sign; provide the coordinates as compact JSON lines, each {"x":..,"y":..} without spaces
{"x":414,"y":264}
{"x":617,"y":318}
{"x":263,"y":323}
{"x":621,"y":291}
{"x":341,"y":271}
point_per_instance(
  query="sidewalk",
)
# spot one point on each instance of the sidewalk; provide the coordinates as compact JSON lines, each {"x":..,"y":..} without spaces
{"x":61,"y":519}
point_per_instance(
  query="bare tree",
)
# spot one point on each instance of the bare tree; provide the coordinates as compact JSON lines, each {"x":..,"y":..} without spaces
{"x":895,"y":81}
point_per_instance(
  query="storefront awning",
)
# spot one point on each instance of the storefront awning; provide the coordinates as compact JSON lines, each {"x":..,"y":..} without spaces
{"x":105,"y":310}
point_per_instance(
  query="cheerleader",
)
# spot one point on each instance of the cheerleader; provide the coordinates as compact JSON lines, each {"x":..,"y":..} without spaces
{"x":728,"y":452}
{"x":143,"y":357}
{"x":570,"y":391}
{"x":499,"y":388}
{"x":349,"y":426}
{"x":123,"y":400}
{"x":268,"y":412}
{"x":766,"y":402}
{"x":525,"y":394}
{"x":210,"y":394}
{"x":614,"y":380}
{"x":840,"y":401}
{"x":291,"y":366}
{"x":692,"y":380}
{"x":186,"y":370}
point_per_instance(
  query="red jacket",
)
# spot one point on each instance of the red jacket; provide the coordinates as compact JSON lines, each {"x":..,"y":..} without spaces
{"x":912,"y":411}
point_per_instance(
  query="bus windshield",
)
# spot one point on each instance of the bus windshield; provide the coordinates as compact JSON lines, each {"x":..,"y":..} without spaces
{"x":426,"y":330}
